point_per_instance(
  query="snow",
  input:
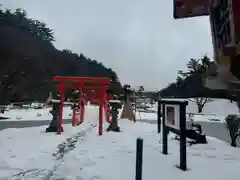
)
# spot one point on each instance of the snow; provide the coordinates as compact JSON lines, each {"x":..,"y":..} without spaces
{"x":30,"y":148}
{"x":214,"y":111}
{"x":32,"y":114}
{"x":29,"y":154}
{"x":114,"y":101}
{"x":37,"y":114}
{"x":146,"y":116}
{"x":219,"y":107}
{"x":79,"y":153}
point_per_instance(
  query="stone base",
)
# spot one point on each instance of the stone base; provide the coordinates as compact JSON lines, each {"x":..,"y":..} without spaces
{"x":53,"y":129}
{"x":115,"y":129}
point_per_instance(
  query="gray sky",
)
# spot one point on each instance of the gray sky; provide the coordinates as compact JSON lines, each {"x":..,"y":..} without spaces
{"x":139,"y":39}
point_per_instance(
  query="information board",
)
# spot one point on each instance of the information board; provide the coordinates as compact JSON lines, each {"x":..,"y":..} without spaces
{"x":172,"y":114}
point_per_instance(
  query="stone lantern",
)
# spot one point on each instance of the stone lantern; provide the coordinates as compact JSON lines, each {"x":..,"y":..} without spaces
{"x":53,"y":127}
{"x":115,"y":106}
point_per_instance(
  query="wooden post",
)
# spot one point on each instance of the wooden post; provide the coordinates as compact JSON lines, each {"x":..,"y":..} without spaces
{"x":101,"y":99}
{"x":73,"y":117}
{"x":82,"y":110}
{"x":79,"y":96}
{"x":81,"y":103}
{"x":61,"y":91}
{"x":139,"y":159}
{"x":106,"y":108}
{"x":164,"y":132}
{"x":159,"y":117}
{"x":183,"y":150}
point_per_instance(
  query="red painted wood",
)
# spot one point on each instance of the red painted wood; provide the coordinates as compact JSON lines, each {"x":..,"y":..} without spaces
{"x":82,"y":79}
{"x":98,"y":91}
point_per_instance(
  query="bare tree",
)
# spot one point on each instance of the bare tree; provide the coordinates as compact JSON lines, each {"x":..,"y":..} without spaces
{"x":200,"y":102}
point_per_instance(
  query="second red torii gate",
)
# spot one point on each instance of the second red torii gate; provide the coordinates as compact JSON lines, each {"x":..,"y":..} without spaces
{"x":100,"y":83}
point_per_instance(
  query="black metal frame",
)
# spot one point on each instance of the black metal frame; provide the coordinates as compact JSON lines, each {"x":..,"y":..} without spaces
{"x":166,"y":129}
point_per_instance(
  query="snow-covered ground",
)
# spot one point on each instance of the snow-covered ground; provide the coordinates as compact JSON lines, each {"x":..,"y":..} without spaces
{"x":80,"y":154}
{"x":218,"y":109}
{"x":221,"y":107}
{"x":214,"y":111}
{"x":32,"y":114}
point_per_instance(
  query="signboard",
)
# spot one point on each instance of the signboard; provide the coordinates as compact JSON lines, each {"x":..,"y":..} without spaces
{"x":172,"y":115}
{"x":190,"y":8}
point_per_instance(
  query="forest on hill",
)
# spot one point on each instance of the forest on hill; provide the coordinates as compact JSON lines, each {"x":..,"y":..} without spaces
{"x":29,"y":60}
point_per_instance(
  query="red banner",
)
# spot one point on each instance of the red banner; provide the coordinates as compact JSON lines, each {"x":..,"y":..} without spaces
{"x":190,"y":8}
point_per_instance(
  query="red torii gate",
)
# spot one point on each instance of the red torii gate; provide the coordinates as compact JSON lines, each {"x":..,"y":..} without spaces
{"x":100,"y":83}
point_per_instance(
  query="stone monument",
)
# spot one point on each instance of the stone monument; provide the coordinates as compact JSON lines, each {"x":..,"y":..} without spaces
{"x":115,"y":105}
{"x":53,"y":127}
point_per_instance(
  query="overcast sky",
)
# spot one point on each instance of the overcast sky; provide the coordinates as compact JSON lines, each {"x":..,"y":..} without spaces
{"x":139,"y":39}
